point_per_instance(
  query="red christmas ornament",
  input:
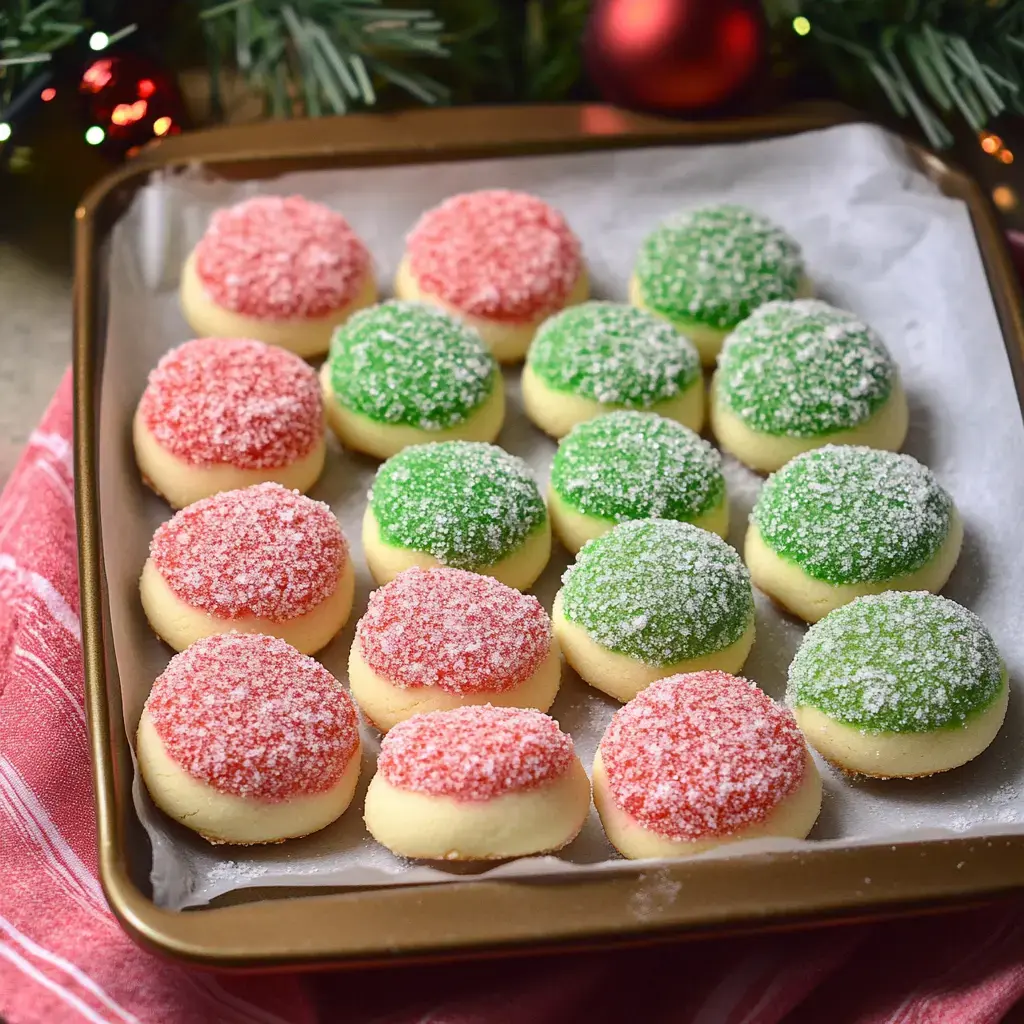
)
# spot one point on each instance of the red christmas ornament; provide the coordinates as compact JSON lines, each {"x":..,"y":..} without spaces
{"x":131,"y":98}
{"x":673,"y":56}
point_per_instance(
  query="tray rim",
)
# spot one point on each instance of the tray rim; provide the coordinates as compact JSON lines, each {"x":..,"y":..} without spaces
{"x":378,"y":926}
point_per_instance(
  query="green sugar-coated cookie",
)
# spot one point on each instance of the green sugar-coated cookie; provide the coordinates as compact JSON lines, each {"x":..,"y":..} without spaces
{"x":803,"y":369}
{"x":466,"y":503}
{"x":410,"y":364}
{"x":636,"y":465}
{"x":659,"y":591}
{"x":613,"y":354}
{"x":847,"y":514}
{"x":716,"y":265}
{"x":897,"y":662}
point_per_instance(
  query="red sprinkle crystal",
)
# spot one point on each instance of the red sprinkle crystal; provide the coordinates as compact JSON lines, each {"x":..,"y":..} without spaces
{"x":229,"y":401}
{"x":250,"y":716}
{"x":702,"y":754}
{"x":263,"y":551}
{"x":474,"y":753}
{"x":495,"y":254}
{"x":455,"y":630}
{"x":279,"y":258}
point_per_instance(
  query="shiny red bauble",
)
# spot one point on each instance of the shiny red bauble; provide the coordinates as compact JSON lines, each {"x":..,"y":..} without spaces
{"x":674,"y":56}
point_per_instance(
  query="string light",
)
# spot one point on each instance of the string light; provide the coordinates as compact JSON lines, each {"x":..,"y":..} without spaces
{"x":99,"y":41}
{"x":48,"y":94}
{"x":1004,"y":197}
{"x":145,"y":88}
{"x":801,"y":26}
{"x":5,"y":131}
{"x":1006,"y":156}
{"x":129,"y":113}
{"x":94,"y":135}
{"x":162,"y":125}
{"x":991,"y":143}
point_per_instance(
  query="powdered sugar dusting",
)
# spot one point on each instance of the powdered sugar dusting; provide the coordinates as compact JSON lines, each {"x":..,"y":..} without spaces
{"x":475,"y":753}
{"x":263,"y":551}
{"x":495,"y":253}
{"x":848,"y":514}
{"x":281,"y":258}
{"x":802,"y":369}
{"x":455,"y":630}
{"x":229,"y":401}
{"x":897,"y":662}
{"x":659,"y":591}
{"x":702,"y":754}
{"x":250,"y":716}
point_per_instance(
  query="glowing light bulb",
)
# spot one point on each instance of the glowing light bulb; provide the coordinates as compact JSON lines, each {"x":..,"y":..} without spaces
{"x":1006,"y":156}
{"x":1004,"y":197}
{"x":991,"y":143}
{"x":99,"y":41}
{"x":94,"y":135}
{"x":801,"y":26}
{"x":162,"y":125}
{"x":47,"y":94}
{"x":5,"y":131}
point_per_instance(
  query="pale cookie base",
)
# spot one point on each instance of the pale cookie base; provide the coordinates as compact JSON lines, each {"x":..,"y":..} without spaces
{"x":305,"y":337}
{"x":382,"y":440}
{"x":810,"y":599}
{"x":623,"y":677}
{"x":574,"y":528}
{"x":180,"y":624}
{"x":793,"y":817}
{"x":908,"y":755}
{"x":707,"y":340}
{"x":538,"y":820}
{"x":507,"y":341}
{"x":519,"y":569}
{"x":385,"y":704}
{"x":180,"y":483}
{"x":557,"y":412}
{"x":886,"y":429}
{"x":224,"y":818}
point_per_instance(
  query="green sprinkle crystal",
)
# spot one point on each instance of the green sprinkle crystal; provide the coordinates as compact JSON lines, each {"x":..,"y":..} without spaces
{"x":410,"y":364}
{"x":847,"y":514}
{"x":716,"y":265}
{"x":659,"y":591}
{"x":466,"y":503}
{"x":636,"y":465}
{"x":897,"y":662}
{"x":803,"y":369}
{"x":613,"y":354}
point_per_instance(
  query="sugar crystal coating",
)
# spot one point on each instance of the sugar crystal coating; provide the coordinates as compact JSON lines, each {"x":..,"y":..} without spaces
{"x":262,"y":551}
{"x":467,"y":503}
{"x":250,"y":716}
{"x":635,"y":465}
{"x":281,"y":258}
{"x":455,"y":630}
{"x":408,"y":363}
{"x":847,"y":514}
{"x":475,"y":753}
{"x":803,"y":369}
{"x":613,"y":354}
{"x":659,"y":591}
{"x":714,"y":266}
{"x":495,"y":253}
{"x":702,"y":754}
{"x":897,"y":662}
{"x":229,"y":401}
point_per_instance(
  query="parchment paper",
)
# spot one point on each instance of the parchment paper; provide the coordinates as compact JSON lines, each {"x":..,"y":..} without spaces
{"x":879,"y":240}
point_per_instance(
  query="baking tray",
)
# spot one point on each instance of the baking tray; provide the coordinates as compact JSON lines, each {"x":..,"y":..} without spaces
{"x":280,"y":928}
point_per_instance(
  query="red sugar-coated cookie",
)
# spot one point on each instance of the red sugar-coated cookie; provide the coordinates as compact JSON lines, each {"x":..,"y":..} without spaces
{"x":263,"y":551}
{"x":496,"y":254}
{"x":474,"y":753}
{"x":281,"y":258}
{"x":455,"y":630}
{"x":250,"y":716}
{"x":217,"y":401}
{"x":702,"y":754}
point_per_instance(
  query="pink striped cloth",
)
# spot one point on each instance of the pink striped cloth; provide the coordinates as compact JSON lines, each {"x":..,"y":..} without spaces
{"x":63,"y":957}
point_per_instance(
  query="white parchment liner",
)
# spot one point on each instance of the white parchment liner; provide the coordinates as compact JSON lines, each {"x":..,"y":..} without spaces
{"x":879,"y":240}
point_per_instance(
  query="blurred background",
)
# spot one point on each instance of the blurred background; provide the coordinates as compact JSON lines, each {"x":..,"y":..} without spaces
{"x":85,"y":84}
